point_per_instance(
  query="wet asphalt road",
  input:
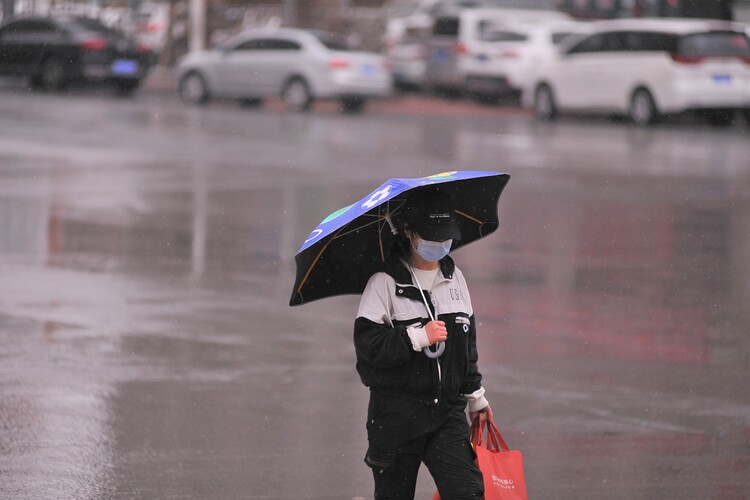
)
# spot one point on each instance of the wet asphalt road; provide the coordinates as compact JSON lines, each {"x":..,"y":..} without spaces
{"x":146,"y":262}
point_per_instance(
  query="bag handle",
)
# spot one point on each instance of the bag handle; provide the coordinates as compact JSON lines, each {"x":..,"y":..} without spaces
{"x":495,"y":441}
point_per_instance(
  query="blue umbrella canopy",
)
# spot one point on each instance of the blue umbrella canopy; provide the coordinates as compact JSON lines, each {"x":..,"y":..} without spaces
{"x":348,"y":246}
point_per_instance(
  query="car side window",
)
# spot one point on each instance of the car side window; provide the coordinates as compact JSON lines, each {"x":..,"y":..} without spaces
{"x":284,"y":45}
{"x":558,"y":37}
{"x":268,"y":44}
{"x":502,"y":36}
{"x":446,"y":26}
{"x":23,"y":29}
{"x":35,"y":27}
{"x":614,"y":42}
{"x":593,"y":43}
{"x":601,"y":42}
{"x":644,"y":41}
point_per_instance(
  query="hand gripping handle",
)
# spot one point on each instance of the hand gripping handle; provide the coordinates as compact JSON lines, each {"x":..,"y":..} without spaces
{"x":439,"y":349}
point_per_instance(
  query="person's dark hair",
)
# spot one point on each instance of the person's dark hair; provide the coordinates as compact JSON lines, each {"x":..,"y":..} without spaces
{"x":401,"y":243}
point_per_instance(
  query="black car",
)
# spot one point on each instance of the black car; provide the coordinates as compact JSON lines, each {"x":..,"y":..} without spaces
{"x":55,"y":51}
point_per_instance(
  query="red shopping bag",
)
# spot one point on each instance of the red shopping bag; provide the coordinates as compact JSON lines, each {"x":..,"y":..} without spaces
{"x":502,"y":468}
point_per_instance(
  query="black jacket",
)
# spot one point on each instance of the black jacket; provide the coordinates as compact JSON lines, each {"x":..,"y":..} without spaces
{"x":386,"y":359}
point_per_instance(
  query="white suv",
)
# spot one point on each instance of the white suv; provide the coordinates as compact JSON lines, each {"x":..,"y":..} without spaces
{"x":645,"y":68}
{"x":455,"y":40}
{"x":506,"y":55}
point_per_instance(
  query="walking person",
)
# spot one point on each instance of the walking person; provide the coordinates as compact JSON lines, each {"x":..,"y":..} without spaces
{"x":416,"y":414}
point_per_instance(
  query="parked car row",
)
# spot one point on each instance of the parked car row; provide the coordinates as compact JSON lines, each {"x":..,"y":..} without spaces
{"x":484,"y":52}
{"x":296,"y":65}
{"x":642,"y":68}
{"x":53,"y":52}
{"x":646,"y":69}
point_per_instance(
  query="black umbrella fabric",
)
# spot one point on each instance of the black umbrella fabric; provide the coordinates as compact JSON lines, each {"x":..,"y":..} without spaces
{"x":351,"y":244}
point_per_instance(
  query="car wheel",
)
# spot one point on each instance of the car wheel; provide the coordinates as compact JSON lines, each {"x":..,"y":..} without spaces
{"x":296,"y":95}
{"x":251,"y":102}
{"x":544,"y":103}
{"x":643,"y":108}
{"x":53,"y":75}
{"x":193,"y":88}
{"x":126,"y":88}
{"x":353,"y":105}
{"x":721,"y":117}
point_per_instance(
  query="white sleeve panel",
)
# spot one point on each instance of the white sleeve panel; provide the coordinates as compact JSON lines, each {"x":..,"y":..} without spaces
{"x":459,"y":276}
{"x":476,"y":400}
{"x":375,"y":302}
{"x":418,"y":336}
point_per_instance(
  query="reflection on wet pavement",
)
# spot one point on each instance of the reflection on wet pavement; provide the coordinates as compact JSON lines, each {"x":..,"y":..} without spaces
{"x":147,"y":351}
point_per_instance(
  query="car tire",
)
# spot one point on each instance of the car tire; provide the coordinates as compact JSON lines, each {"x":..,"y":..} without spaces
{"x":126,"y":88}
{"x":53,"y":74}
{"x":353,"y":105}
{"x":296,"y":95}
{"x":721,"y":117}
{"x":545,"y":107}
{"x":642,"y":110}
{"x":251,"y":102}
{"x":193,"y":88}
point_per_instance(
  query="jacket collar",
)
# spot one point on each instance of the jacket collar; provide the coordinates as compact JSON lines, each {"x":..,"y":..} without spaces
{"x":398,"y":270}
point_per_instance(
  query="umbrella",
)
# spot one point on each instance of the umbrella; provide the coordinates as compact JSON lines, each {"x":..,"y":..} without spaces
{"x":352,"y":243}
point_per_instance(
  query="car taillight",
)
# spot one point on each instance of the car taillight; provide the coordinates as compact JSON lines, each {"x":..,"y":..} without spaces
{"x":459,"y":48}
{"x":154,"y":27}
{"x":509,"y":54}
{"x":142,"y":48}
{"x":746,"y":59}
{"x":682,"y":59}
{"x":94,"y":44}
{"x":339,"y":63}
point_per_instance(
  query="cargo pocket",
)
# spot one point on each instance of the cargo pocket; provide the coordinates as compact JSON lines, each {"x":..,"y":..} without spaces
{"x":382,"y":449}
{"x":377,"y":462}
{"x":388,"y":427}
{"x":464,"y":324}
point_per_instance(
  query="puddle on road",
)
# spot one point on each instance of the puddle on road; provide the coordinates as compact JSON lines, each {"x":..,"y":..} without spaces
{"x":598,"y":281}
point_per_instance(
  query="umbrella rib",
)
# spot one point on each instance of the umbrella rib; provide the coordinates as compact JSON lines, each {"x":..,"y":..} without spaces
{"x":309,"y":269}
{"x":469,"y":217}
{"x":378,"y":220}
{"x":339,"y":234}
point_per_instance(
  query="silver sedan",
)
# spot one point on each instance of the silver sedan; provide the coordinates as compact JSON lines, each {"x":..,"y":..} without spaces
{"x":296,"y":65}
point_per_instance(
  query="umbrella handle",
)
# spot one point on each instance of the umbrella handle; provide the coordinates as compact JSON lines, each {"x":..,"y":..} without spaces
{"x":440,"y":346}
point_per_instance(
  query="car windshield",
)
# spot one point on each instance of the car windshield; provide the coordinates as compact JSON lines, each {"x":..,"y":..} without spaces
{"x":489,"y":31}
{"x":559,"y":36}
{"x":715,"y":43}
{"x":502,"y":36}
{"x":332,"y":41}
{"x":78,"y":24}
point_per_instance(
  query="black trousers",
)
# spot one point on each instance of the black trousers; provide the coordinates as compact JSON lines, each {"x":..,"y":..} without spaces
{"x":446,"y":451}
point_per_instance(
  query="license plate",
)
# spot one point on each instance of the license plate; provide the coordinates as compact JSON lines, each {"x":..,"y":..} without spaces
{"x":441,"y":55}
{"x":125,"y":67}
{"x":723,"y":79}
{"x":369,"y":69}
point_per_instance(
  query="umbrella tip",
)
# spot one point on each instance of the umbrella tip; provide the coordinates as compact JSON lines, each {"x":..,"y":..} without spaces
{"x":295,"y":300}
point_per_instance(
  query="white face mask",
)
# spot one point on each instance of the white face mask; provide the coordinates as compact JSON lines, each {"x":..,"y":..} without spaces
{"x":433,"y":251}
